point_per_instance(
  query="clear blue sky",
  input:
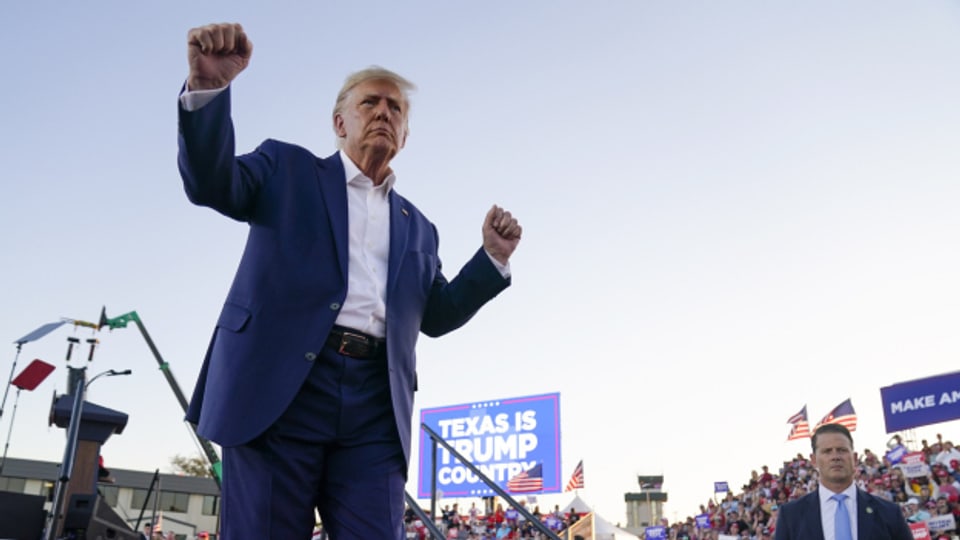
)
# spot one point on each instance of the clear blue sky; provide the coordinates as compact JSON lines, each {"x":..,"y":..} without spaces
{"x":730,"y":209}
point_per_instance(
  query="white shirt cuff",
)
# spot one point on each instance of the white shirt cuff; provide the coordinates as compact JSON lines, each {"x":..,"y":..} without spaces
{"x":504,"y":269}
{"x":192,"y":100}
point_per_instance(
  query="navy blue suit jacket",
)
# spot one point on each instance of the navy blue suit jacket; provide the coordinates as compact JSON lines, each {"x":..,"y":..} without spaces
{"x":877,"y":519}
{"x":292,"y":278}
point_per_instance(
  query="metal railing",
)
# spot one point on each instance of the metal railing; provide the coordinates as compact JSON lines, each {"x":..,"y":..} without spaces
{"x":427,"y":521}
{"x":437,"y":441}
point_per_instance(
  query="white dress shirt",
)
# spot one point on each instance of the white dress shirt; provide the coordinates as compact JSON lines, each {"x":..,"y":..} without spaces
{"x":828,"y":510}
{"x":368,"y":222}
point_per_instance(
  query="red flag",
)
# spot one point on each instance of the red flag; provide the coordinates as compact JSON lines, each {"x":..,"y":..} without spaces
{"x":32,"y":375}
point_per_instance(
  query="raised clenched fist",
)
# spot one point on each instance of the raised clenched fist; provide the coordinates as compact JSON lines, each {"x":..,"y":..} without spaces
{"x":217,"y":53}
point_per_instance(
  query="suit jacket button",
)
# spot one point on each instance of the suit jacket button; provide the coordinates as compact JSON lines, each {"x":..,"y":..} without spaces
{"x":310,"y":356}
{"x":334,"y":306}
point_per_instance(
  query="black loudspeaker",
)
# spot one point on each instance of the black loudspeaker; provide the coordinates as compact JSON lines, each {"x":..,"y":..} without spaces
{"x":88,"y":514}
{"x":21,"y":516}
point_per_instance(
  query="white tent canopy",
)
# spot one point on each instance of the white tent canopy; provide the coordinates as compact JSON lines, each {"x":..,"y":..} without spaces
{"x":578,"y":505}
{"x":602,"y":529}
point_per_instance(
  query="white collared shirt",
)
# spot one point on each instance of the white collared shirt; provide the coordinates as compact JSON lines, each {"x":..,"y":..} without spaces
{"x":368,"y":223}
{"x":828,"y":510}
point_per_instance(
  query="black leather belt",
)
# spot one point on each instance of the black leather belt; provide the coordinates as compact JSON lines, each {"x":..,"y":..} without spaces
{"x":356,"y":344}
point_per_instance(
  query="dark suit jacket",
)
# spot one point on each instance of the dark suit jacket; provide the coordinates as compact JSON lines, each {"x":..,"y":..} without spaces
{"x":292,"y":278}
{"x":877,"y":519}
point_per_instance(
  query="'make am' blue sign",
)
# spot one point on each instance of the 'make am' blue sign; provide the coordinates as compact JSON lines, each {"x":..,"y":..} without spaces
{"x":921,"y":402}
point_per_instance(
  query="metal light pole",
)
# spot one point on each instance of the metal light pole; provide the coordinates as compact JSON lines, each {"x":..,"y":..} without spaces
{"x":70,"y":452}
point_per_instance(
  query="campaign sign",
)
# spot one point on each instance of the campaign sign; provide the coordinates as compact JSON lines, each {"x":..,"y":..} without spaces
{"x":655,"y":533}
{"x":501,"y":437}
{"x":920,"y":531}
{"x":914,"y":458}
{"x":921,"y":402}
{"x":945,"y":522}
{"x":914,"y":470}
{"x":720,"y":487}
{"x":703,"y":521}
{"x":897,"y":454}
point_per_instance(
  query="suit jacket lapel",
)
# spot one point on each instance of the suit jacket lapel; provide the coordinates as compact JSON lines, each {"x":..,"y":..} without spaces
{"x":814,"y":526}
{"x":399,"y":228}
{"x":865,"y":516}
{"x":331,"y":179}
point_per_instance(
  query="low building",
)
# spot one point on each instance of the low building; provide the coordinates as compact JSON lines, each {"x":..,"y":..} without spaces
{"x":186,"y":505}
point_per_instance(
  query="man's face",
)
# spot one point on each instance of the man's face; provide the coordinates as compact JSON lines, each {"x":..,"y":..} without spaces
{"x":835,"y":460}
{"x":373,"y":119}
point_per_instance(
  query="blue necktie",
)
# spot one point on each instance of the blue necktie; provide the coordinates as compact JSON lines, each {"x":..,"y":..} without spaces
{"x":841,"y":523}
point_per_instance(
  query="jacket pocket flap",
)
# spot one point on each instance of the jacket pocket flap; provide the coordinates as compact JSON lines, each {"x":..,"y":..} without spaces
{"x":233,"y":317}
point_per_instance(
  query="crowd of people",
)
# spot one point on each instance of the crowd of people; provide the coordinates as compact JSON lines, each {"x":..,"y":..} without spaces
{"x":151,"y":532}
{"x":497,"y":524}
{"x":933,"y":490}
{"x":924,"y":492}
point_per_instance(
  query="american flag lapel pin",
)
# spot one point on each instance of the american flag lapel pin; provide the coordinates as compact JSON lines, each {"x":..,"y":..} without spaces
{"x":404,"y":212}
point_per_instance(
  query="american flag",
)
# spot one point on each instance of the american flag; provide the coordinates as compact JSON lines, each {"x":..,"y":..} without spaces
{"x":527,"y":481}
{"x":800,"y":430}
{"x":576,"y":479}
{"x":801,"y":426}
{"x":842,"y":414}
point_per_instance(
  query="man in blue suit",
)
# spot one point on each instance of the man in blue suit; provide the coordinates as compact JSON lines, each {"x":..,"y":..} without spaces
{"x":838,"y":510}
{"x":309,"y":379}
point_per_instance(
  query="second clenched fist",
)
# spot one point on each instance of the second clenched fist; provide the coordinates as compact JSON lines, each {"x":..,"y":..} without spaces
{"x":217,"y":53}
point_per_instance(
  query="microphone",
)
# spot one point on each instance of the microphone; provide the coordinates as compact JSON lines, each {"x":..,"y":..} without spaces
{"x":113,"y":372}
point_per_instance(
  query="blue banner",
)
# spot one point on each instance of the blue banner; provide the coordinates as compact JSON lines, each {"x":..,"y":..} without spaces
{"x":720,"y":487}
{"x":655,"y":533}
{"x":501,"y":437}
{"x":703,"y":521}
{"x":921,"y":402}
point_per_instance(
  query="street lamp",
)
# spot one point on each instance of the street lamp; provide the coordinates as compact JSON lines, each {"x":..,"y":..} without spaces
{"x":70,"y":452}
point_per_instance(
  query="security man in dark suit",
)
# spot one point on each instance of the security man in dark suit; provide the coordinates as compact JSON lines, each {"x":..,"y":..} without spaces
{"x":838,"y":510}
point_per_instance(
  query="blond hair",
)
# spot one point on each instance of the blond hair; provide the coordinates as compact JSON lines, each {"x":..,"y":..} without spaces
{"x":372,"y":73}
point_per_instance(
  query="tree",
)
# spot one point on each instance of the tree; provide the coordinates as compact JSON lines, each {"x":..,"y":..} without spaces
{"x":190,"y":466}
